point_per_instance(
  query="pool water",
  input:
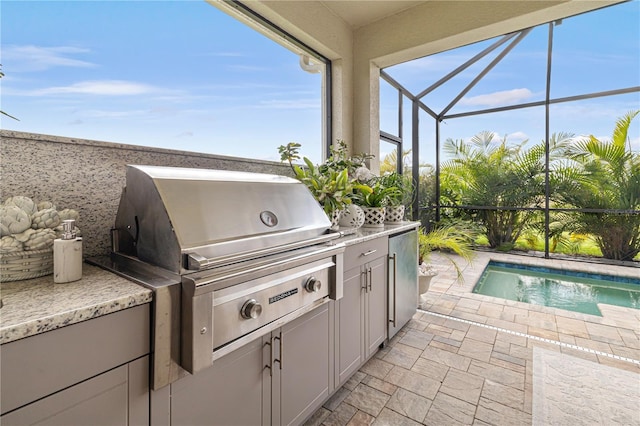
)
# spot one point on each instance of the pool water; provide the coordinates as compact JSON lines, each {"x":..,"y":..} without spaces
{"x":570,"y":290}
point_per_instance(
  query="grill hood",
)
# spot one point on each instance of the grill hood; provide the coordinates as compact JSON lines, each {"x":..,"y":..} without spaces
{"x":184,"y":219}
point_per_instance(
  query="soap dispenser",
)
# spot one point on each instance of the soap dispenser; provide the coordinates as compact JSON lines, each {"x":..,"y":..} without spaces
{"x":67,"y":254}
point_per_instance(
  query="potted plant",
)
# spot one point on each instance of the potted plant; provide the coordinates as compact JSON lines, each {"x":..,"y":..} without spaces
{"x":455,"y":238}
{"x":330,"y":186}
{"x":398,"y":199}
{"x":340,"y":159}
{"x":373,"y":198}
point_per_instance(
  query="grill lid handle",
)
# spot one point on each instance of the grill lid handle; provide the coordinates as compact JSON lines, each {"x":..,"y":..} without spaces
{"x":197,"y":262}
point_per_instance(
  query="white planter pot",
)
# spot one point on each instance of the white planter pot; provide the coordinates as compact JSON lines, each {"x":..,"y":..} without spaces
{"x":334,"y":217}
{"x":352,"y":217}
{"x":373,"y":217}
{"x":424,"y":281}
{"x":394,"y":214}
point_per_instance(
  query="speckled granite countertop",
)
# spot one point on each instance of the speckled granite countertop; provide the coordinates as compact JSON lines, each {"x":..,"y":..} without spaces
{"x":38,"y":305}
{"x":365,"y":234}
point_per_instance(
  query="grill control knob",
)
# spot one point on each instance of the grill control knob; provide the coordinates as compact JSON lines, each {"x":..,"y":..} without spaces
{"x":251,"y":309}
{"x":312,"y":285}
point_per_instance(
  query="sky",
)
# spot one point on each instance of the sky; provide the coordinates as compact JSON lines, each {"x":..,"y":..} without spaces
{"x":593,"y":52}
{"x":184,"y":75}
{"x":170,"y":74}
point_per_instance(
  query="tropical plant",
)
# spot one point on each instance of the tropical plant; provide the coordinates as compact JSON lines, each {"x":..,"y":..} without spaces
{"x":331,"y":187}
{"x":493,"y":179}
{"x":456,"y":238}
{"x":403,"y":183}
{"x":390,"y":162}
{"x":374,"y":193}
{"x":605,"y":174}
{"x":340,"y":159}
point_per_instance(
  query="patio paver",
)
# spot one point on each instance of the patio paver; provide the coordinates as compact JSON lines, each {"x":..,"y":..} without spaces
{"x":471,"y":359}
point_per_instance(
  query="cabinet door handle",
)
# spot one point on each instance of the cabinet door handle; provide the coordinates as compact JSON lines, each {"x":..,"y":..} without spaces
{"x":270,"y":365}
{"x":363,"y":281}
{"x":369,"y":278}
{"x":368,"y":253}
{"x":395,"y":279}
{"x":279,"y":339}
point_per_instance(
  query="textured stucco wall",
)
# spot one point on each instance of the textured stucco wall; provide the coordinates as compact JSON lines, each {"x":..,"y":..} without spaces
{"x":89,"y":175}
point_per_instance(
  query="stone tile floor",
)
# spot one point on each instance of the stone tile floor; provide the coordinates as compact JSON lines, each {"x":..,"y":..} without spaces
{"x":469,"y":359}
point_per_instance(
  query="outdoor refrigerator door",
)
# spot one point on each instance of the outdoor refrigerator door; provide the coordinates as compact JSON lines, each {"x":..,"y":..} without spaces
{"x":403,"y":279}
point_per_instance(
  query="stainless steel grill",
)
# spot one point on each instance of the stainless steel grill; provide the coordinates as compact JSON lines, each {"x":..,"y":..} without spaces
{"x":230,"y":256}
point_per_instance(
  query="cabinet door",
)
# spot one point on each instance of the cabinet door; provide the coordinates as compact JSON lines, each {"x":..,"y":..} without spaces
{"x":38,"y":366}
{"x":101,"y":400}
{"x":349,"y":321}
{"x":376,"y":306}
{"x":304,"y":359}
{"x":230,"y":392}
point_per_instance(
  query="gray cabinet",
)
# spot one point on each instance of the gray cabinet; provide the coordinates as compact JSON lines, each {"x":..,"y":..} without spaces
{"x":305,"y":368}
{"x":375,"y":305}
{"x":361,"y":315}
{"x":234,"y":391}
{"x":349,"y":326}
{"x":279,"y":379}
{"x":117,"y":397}
{"x":93,"y":372}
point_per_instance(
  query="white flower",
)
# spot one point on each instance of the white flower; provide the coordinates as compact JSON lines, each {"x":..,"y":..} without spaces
{"x":363,"y":174}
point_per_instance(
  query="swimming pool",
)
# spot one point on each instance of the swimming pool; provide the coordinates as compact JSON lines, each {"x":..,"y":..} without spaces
{"x":570,"y":290}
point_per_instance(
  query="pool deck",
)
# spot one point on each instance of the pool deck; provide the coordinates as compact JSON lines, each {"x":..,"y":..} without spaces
{"x":467,"y":358}
{"x":616,"y":333}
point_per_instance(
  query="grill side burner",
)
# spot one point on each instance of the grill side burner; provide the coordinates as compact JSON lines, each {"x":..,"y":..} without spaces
{"x":230,"y":256}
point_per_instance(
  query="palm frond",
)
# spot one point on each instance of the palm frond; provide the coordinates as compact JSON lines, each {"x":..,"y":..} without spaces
{"x":622,"y":127}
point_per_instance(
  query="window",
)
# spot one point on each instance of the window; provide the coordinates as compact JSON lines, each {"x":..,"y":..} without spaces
{"x":180,"y":75}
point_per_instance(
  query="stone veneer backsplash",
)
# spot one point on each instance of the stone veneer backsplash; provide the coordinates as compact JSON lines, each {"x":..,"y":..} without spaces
{"x":89,"y":175}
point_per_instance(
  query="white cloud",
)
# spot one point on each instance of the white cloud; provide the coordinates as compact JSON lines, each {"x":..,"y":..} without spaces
{"x":290,"y":104}
{"x":517,"y":137}
{"x":97,"y":113}
{"x":39,"y":58}
{"x":512,"y":138}
{"x":498,"y":98}
{"x":97,"y":87}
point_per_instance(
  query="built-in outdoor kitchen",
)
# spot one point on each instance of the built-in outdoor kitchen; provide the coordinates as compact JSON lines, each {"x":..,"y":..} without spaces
{"x":208,"y":295}
{"x":216,"y":290}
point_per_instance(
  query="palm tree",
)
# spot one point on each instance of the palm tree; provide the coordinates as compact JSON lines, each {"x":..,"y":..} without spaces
{"x":495,"y":177}
{"x":605,"y":174}
{"x":389,"y":163}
